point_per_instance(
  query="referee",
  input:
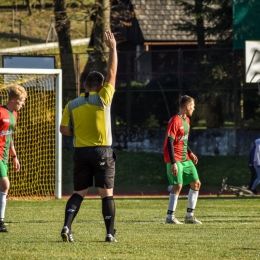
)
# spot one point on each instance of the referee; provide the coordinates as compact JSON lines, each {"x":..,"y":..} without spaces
{"x":87,"y":118}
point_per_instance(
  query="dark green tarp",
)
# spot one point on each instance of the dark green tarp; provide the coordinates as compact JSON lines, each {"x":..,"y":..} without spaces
{"x":246,"y":22}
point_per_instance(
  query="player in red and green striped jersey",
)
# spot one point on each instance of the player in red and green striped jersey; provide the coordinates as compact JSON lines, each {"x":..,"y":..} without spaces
{"x":180,"y":162}
{"x":8,"y":118}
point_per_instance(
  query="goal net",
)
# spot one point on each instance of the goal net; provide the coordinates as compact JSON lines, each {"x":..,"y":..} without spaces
{"x":36,"y":138}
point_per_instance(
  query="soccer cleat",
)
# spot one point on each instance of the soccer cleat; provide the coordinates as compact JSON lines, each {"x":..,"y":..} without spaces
{"x":3,"y":227}
{"x":172,"y":221}
{"x":191,"y":220}
{"x":66,"y":235}
{"x":110,"y":238}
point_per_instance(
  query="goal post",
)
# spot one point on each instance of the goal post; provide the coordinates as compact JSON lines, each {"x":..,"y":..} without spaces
{"x":37,"y":139}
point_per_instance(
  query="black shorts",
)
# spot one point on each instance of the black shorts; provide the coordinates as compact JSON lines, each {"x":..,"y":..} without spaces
{"x":96,"y":163}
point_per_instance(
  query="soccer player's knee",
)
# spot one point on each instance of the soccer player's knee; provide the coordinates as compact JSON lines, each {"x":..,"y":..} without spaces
{"x":197,"y":185}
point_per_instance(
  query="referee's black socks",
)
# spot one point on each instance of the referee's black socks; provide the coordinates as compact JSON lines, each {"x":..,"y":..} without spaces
{"x":108,"y":211}
{"x":72,"y":208}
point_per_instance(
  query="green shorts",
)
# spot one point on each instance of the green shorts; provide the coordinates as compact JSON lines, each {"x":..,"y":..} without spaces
{"x":3,"y":169}
{"x":187,"y":173}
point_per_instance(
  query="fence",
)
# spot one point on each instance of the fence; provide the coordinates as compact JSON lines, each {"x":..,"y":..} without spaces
{"x":149,"y":85}
{"x":205,"y":142}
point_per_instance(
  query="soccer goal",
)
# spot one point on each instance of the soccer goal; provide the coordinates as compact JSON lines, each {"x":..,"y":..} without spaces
{"x":36,"y":138}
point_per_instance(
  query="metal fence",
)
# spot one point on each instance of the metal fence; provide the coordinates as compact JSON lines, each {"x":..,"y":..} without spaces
{"x":150,"y":83}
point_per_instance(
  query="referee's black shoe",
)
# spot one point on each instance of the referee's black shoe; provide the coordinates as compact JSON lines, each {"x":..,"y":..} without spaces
{"x":66,"y":235}
{"x":110,"y":238}
{"x":3,"y":227}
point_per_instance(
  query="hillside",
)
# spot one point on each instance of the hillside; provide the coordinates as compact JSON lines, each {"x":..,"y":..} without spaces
{"x":19,"y":29}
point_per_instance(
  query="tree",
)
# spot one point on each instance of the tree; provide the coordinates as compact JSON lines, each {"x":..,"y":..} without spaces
{"x":220,"y":19}
{"x":196,"y":12}
{"x":29,"y":6}
{"x":105,"y":15}
{"x":207,"y":18}
{"x":101,"y":19}
{"x":66,"y":56}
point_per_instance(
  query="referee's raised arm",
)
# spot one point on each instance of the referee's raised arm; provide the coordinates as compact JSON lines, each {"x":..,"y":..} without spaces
{"x":112,"y":59}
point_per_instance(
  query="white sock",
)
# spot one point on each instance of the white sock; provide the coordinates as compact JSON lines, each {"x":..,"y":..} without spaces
{"x":192,"y":201}
{"x":2,"y":205}
{"x":173,"y":200}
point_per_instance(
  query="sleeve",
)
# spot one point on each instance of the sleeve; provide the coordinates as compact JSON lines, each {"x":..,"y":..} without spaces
{"x":65,"y":120}
{"x":106,"y":93}
{"x":171,"y":149}
{"x":173,"y":128}
{"x":257,"y":155}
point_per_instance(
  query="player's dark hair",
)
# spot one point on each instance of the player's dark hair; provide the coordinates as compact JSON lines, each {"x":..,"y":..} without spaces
{"x":185,"y":100}
{"x":94,"y":79}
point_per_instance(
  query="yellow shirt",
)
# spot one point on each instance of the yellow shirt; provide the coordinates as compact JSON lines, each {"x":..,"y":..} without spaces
{"x":90,"y":118}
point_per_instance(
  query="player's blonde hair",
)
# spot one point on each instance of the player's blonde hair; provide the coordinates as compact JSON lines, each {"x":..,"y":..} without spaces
{"x":17,"y":91}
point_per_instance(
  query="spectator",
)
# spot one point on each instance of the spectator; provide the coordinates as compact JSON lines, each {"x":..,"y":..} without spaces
{"x":252,"y":169}
{"x":256,"y":165}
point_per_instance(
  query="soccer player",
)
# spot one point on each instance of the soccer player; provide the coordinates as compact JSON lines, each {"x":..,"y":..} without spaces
{"x":180,"y":162}
{"x":252,"y":169}
{"x":87,"y":119}
{"x":8,"y":118}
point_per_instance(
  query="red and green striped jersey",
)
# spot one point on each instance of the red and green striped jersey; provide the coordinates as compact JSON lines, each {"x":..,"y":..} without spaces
{"x":7,"y":123}
{"x":178,"y":129}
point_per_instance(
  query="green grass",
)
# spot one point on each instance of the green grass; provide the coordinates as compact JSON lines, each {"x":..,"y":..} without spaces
{"x":35,"y":28}
{"x":229,"y":231}
{"x":22,"y":2}
{"x":142,"y":173}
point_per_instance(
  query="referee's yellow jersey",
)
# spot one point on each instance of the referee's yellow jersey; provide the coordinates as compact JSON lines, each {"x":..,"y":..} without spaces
{"x":90,"y":118}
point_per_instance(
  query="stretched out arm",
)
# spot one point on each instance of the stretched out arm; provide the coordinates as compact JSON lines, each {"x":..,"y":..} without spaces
{"x":112,"y":59}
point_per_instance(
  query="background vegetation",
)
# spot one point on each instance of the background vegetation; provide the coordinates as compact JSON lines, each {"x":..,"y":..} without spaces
{"x":35,"y":28}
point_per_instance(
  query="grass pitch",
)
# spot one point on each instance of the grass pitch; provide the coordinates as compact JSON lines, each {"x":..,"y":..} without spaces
{"x":230,"y":230}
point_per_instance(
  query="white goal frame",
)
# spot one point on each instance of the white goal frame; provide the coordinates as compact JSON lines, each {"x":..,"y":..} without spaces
{"x":58,"y":110}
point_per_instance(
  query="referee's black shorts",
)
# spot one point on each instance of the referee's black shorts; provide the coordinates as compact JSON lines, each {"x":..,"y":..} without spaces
{"x":93,"y":163}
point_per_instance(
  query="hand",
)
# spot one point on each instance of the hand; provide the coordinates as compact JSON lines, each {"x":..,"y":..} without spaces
{"x":16,"y":164}
{"x":110,"y":40}
{"x":194,"y":158}
{"x":174,"y":169}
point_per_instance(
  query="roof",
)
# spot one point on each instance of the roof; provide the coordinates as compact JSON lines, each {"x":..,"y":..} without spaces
{"x":156,"y":19}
